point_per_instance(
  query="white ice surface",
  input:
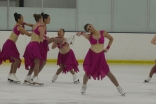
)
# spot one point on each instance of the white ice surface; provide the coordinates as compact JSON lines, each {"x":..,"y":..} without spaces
{"x":63,"y":91}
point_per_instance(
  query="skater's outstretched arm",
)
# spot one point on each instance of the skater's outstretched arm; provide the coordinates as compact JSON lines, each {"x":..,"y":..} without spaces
{"x":56,"y":40}
{"x":87,"y":36}
{"x":28,"y":24}
{"x":108,"y":36}
{"x":23,"y":31}
{"x":153,"y":41}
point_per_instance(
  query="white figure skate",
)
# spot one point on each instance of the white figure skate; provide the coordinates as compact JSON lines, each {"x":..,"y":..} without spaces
{"x":37,"y":81}
{"x":147,"y":80}
{"x":83,"y":89}
{"x":28,"y":80}
{"x":121,"y":91}
{"x":75,"y":79}
{"x":14,"y":79}
{"x":54,"y":78}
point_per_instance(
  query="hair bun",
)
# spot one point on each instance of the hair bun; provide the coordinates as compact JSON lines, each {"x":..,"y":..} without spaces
{"x":42,"y":14}
{"x":35,"y":15}
{"x":15,"y":14}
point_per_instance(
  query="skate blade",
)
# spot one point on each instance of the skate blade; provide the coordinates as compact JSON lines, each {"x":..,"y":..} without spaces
{"x":53,"y":81}
{"x":16,"y":82}
{"x":27,"y":82}
{"x":10,"y":81}
{"x":41,"y":84}
{"x":82,"y":93}
{"x":124,"y":94}
{"x":76,"y":82}
{"x":146,"y":81}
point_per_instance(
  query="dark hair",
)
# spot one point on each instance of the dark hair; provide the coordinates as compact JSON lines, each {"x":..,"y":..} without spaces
{"x":63,"y":30}
{"x":85,"y":27}
{"x":45,"y":16}
{"x":17,"y":16}
{"x":37,"y":17}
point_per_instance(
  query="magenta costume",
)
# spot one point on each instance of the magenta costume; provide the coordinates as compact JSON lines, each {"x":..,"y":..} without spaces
{"x":95,"y":64}
{"x":44,"y":48}
{"x":32,"y":52}
{"x":155,"y":68}
{"x":68,"y":60}
{"x":9,"y":49}
{"x":0,"y":52}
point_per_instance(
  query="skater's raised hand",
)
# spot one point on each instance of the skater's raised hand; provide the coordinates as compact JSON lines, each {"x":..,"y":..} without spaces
{"x":153,"y":41}
{"x":78,"y":34}
{"x":83,"y":34}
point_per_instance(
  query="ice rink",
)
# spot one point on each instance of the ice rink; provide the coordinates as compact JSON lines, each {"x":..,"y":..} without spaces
{"x":63,"y":91}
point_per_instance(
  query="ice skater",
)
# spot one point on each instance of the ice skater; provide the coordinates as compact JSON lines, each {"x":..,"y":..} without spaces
{"x":10,"y":51}
{"x":153,"y":70}
{"x":66,"y":59}
{"x":95,"y":64}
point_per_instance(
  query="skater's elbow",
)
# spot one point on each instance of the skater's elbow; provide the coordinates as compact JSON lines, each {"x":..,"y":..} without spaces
{"x":111,"y":38}
{"x":152,"y":42}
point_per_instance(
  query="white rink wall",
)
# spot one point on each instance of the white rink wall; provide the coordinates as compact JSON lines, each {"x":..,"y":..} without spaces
{"x":126,"y":46}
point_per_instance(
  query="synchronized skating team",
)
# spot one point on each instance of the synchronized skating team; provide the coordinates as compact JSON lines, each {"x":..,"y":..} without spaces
{"x":35,"y":54}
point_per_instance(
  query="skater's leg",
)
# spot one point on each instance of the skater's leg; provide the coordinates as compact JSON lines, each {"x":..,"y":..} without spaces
{"x":60,"y":69}
{"x":14,"y":69}
{"x":72,"y":72}
{"x":151,"y":73}
{"x":11,"y":71}
{"x":113,"y":79}
{"x":115,"y":82}
{"x":58,"y":72}
{"x":84,"y":86}
{"x":41,"y":67}
{"x":15,"y":65}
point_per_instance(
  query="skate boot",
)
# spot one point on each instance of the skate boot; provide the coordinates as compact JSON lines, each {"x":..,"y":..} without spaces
{"x":32,"y":78}
{"x":28,"y":79}
{"x":9,"y":75}
{"x":13,"y":78}
{"x":147,"y":80}
{"x":75,"y":79}
{"x":54,"y":78}
{"x":83,"y":89}
{"x":37,"y":81}
{"x":70,"y":40}
{"x":121,"y":91}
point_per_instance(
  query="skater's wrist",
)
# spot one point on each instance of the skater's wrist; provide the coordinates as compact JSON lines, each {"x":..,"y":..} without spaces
{"x":81,"y":33}
{"x":24,"y":23}
{"x":107,"y":47}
